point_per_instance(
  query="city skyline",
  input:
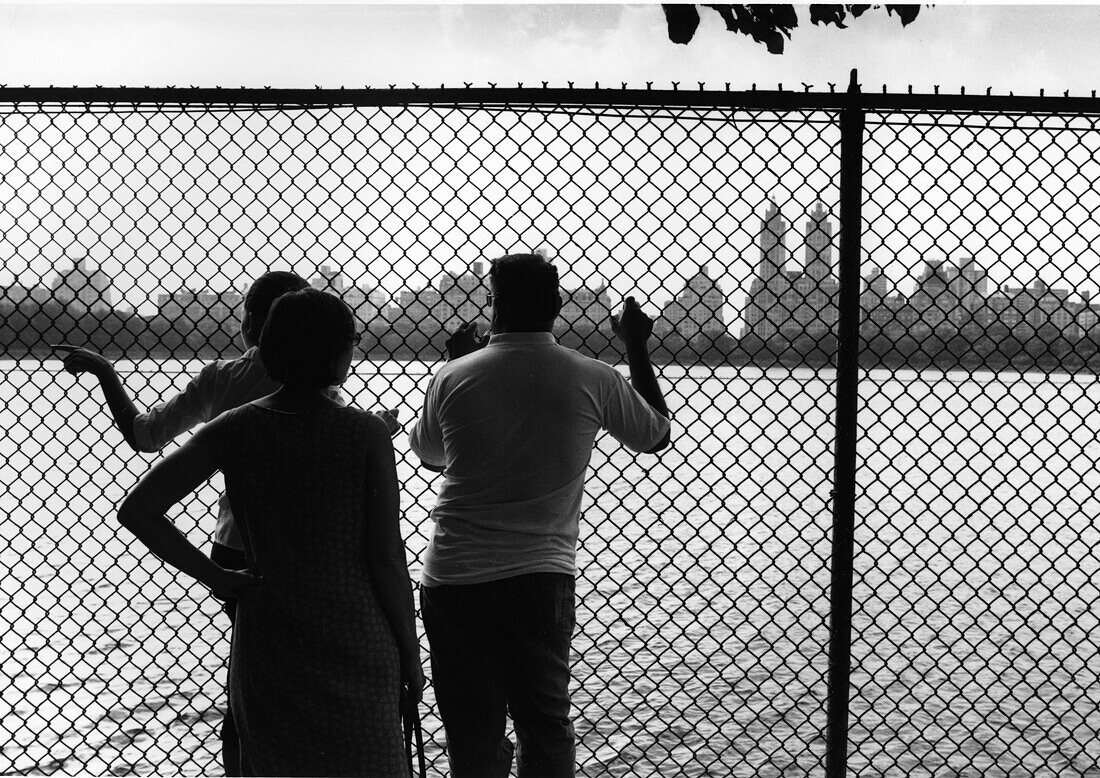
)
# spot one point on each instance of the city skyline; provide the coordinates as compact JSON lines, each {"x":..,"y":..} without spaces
{"x":395,"y":195}
{"x":778,"y":300}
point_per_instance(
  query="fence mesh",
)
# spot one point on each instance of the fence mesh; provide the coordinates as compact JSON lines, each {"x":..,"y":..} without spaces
{"x":975,"y":633}
{"x":702,"y":638}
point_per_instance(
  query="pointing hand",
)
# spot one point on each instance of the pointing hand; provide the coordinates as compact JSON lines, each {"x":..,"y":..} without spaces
{"x":81,"y":360}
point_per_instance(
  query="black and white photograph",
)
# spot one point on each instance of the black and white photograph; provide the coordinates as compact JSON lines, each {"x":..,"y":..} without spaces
{"x":549,"y":390}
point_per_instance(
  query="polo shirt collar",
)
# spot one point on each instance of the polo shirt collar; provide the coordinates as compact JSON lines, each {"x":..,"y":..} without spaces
{"x":522,"y":338}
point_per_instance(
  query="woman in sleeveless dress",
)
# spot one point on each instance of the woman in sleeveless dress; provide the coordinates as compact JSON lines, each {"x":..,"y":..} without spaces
{"x":324,"y":647}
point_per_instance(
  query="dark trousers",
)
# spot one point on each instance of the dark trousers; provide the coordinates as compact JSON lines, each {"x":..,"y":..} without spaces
{"x":231,"y":559}
{"x":502,"y":648}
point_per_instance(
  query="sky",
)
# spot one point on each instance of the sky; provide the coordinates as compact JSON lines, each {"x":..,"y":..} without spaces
{"x":1022,"y":48}
{"x":1017,"y":48}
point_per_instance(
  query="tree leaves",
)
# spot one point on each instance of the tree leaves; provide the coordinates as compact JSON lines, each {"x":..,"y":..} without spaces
{"x":767,"y":24}
{"x":682,"y":20}
{"x":907,"y":13}
{"x":832,"y":14}
{"x":770,"y":24}
{"x":835,"y":14}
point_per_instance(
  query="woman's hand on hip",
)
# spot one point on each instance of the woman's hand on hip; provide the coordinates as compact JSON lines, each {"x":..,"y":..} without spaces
{"x":232,"y":583}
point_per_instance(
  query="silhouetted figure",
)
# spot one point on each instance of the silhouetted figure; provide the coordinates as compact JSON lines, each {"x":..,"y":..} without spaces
{"x":512,"y":426}
{"x":219,"y":386}
{"x":324,"y":642}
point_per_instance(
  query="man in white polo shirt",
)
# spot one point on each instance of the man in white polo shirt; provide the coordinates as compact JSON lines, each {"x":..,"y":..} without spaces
{"x":511,"y":421}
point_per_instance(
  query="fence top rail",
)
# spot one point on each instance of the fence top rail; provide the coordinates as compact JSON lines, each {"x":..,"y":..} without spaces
{"x":694,"y":95}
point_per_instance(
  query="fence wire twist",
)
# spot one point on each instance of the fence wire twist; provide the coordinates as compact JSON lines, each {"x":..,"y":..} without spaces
{"x":702,"y":638}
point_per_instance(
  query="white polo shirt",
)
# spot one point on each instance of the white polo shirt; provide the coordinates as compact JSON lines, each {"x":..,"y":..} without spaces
{"x":513,"y":425}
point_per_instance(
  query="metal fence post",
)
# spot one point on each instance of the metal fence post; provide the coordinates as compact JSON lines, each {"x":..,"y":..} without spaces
{"x":844,"y":474}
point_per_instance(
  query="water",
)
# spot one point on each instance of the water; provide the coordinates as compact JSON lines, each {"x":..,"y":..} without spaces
{"x":702,"y":635}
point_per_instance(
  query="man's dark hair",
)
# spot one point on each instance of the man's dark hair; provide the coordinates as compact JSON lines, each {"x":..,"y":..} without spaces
{"x":526,"y":287}
{"x":305,"y":335}
{"x":266,"y":289}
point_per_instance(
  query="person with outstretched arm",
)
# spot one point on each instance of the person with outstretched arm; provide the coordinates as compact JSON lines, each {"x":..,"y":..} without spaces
{"x":325,"y":657}
{"x":511,"y":421}
{"x":218,"y":387}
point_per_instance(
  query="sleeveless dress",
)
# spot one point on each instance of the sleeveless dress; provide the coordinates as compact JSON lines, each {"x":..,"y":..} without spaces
{"x":314,"y":675}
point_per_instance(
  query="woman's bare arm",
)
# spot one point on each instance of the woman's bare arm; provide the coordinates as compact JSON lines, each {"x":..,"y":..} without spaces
{"x":386,"y":557}
{"x":143,"y":513}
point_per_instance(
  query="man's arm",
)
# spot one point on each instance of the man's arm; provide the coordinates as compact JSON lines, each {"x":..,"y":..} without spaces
{"x":633,"y":328}
{"x":150,"y":430}
{"x":122,"y":408}
{"x":425,"y":437}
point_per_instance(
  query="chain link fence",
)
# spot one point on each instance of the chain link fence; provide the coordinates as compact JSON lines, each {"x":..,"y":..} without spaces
{"x":975,"y":630}
{"x":132,"y":223}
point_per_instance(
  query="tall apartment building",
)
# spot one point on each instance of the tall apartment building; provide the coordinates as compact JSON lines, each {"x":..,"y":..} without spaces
{"x":793,"y":302}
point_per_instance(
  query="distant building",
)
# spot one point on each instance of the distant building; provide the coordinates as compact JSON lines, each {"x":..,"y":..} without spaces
{"x":799,"y":302}
{"x":11,"y":297}
{"x":462,"y":297}
{"x":1005,"y":307}
{"x":877,"y":286}
{"x":1088,"y":316}
{"x":416,"y":305}
{"x":970,"y":283}
{"x":949,"y":297}
{"x":585,"y":307}
{"x":366,"y":305}
{"x":696,"y":310}
{"x":451,"y":300}
{"x":456,"y":298}
{"x":1038,"y":308}
{"x":329,"y":279}
{"x":82,"y":289}
{"x":935,"y":302}
{"x":1035,"y":309}
{"x":195,"y":306}
{"x":879,"y":301}
{"x":956,"y":298}
{"x":1053,"y":308}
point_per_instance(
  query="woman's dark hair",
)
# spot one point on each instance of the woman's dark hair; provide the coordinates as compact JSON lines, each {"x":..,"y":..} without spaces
{"x":304,"y":337}
{"x":265,"y":290}
{"x":526,"y":287}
